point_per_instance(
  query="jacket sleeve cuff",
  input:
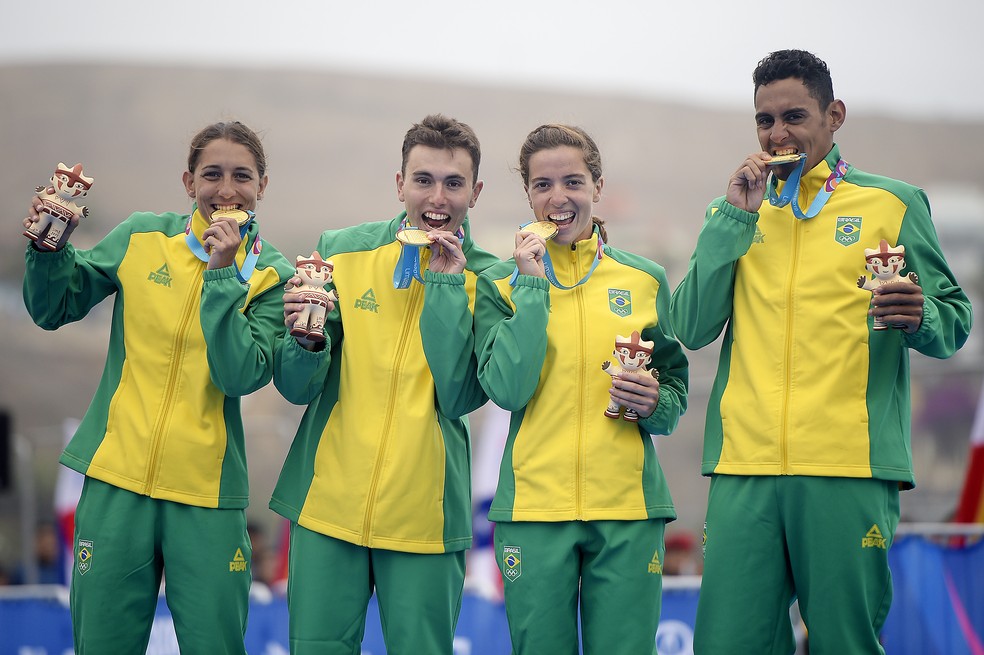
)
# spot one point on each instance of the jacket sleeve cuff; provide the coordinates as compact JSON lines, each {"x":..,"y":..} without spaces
{"x":454,"y":279}
{"x":219,"y":273}
{"x":661,"y":421}
{"x":927,"y":328}
{"x":740,"y":215}
{"x":533,"y":282}
{"x":52,"y":257}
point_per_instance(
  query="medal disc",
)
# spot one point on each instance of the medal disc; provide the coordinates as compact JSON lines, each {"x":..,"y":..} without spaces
{"x":545,"y":229}
{"x":413,"y":236}
{"x":238,"y":215}
{"x":785,"y":159}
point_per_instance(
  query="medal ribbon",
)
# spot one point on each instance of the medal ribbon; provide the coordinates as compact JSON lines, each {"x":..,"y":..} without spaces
{"x":252,"y":254}
{"x":407,"y":267}
{"x":790,"y":191}
{"x":408,"y":264}
{"x":548,"y":268}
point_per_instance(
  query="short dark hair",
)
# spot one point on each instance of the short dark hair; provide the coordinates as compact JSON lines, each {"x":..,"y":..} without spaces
{"x":799,"y":64}
{"x":437,"y":131}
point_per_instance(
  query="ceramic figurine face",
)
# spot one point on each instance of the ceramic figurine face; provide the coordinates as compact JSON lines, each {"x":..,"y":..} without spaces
{"x":561,"y":191}
{"x":314,"y":270}
{"x":633,"y":353}
{"x":70,"y":183}
{"x":437,"y":190}
{"x":885,"y":262}
{"x":226,"y":178}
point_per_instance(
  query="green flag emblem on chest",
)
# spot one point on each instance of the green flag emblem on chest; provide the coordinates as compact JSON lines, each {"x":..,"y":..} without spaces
{"x":620,"y":302}
{"x":848,"y":230}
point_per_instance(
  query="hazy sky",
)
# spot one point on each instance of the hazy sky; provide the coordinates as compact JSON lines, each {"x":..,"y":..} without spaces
{"x":905,"y":57}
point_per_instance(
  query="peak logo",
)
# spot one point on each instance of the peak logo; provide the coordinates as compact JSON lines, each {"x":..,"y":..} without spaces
{"x":238,"y":563}
{"x":874,"y":539}
{"x":367,"y":302}
{"x":654,"y":565}
{"x":161,"y":276}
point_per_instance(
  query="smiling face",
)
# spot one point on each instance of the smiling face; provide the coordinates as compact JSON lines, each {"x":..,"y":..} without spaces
{"x":561,"y":190}
{"x":790,"y":120}
{"x":225,"y":177}
{"x":436,"y":187}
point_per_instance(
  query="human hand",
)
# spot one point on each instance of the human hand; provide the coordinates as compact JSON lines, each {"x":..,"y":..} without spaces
{"x":221,"y":241}
{"x":34,"y":215}
{"x":747,"y":185}
{"x":294,"y":304}
{"x":899,"y":304}
{"x":446,"y":253}
{"x":529,"y":252}
{"x":637,"y":390}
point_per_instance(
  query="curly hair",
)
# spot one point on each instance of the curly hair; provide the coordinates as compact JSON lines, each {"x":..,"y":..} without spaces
{"x":799,"y":64}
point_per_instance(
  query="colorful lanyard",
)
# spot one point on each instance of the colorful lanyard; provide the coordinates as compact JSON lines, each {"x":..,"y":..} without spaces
{"x":548,"y":268}
{"x":408,"y":265}
{"x":790,"y":192}
{"x":249,"y":263}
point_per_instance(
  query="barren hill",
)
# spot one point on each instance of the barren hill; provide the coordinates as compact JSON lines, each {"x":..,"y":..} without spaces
{"x":333,"y":145}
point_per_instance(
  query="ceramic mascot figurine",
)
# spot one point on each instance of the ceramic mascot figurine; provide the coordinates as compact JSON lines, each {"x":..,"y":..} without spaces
{"x":884,"y":263}
{"x":69,"y":185}
{"x":631,"y":354}
{"x":315,"y":273}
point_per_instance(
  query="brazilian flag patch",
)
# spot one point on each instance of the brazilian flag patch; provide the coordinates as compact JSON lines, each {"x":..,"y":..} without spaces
{"x":848,"y":230}
{"x":83,"y":556}
{"x":512,"y":562}
{"x":620,"y":302}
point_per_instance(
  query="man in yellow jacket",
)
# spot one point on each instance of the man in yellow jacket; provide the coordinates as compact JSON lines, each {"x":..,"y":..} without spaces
{"x":807,"y":432}
{"x":377,"y":481}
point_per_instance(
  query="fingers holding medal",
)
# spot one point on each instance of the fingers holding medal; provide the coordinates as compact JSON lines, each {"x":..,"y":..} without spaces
{"x":531,"y":245}
{"x":447,"y":255}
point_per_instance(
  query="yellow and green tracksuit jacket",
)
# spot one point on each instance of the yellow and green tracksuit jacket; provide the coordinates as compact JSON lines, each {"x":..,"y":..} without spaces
{"x":804,"y":386}
{"x":541,"y":351}
{"x":382,"y":455}
{"x":185,"y":344}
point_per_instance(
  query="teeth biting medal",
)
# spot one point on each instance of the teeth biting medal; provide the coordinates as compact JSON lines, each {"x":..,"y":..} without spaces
{"x":546,"y":229}
{"x":413,"y":236}
{"x":250,"y":250}
{"x":241,"y":217}
{"x":778,"y":160}
{"x":790,"y":190}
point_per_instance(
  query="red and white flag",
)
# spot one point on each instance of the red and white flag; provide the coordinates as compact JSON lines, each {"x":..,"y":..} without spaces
{"x":971,"y":507}
{"x":68,"y":490}
{"x":481,"y":570}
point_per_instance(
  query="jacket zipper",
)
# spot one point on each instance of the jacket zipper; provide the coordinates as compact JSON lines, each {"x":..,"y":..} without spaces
{"x":178,"y":350}
{"x":408,"y":322}
{"x":581,"y":357}
{"x":788,"y":352}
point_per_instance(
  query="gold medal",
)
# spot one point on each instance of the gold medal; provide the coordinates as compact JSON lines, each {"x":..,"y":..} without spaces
{"x":546,"y":229}
{"x":413,"y":236}
{"x":238,"y":215}
{"x":785,"y":159}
